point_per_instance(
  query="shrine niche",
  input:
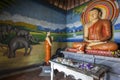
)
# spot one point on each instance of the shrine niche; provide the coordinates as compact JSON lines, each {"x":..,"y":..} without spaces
{"x":98,"y":18}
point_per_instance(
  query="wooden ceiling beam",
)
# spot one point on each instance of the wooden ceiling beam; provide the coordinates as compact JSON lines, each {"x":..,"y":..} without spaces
{"x":72,"y":4}
{"x":56,"y":3}
{"x":82,"y":1}
{"x":51,"y":1}
{"x":65,"y":5}
{"x":69,"y":5}
{"x":77,"y":2}
{"x":61,"y":4}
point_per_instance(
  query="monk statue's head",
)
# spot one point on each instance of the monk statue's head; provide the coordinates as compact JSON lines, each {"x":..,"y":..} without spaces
{"x":48,"y":33}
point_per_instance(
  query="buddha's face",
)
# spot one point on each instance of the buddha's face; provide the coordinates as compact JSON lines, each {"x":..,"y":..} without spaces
{"x":94,"y":14}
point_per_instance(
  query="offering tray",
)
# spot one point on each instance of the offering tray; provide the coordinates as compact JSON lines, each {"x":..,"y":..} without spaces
{"x":86,"y":68}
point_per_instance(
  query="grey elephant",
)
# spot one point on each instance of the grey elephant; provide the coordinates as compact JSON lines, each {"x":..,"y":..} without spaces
{"x":19,"y":42}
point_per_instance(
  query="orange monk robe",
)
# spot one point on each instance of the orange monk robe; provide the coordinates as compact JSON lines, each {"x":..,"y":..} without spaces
{"x":47,"y":52}
{"x":101,"y":30}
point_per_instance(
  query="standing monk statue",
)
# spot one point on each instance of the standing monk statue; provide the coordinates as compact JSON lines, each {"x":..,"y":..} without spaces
{"x":97,"y":33}
{"x":48,"y":44}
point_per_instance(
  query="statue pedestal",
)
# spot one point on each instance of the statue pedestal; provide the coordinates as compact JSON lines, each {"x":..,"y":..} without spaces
{"x":45,"y":71}
{"x":112,"y":62}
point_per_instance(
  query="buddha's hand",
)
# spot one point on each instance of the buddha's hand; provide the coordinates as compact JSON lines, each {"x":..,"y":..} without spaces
{"x":96,"y":41}
{"x":93,"y":41}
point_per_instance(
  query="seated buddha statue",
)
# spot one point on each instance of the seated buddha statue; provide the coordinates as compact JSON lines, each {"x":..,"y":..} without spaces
{"x":97,"y":33}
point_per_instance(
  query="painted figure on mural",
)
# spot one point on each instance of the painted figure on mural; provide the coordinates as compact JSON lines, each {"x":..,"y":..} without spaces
{"x":97,"y":33}
{"x":48,"y":44}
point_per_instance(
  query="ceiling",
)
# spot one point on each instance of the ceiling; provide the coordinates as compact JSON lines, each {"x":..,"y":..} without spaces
{"x":61,"y":4}
{"x":67,"y":4}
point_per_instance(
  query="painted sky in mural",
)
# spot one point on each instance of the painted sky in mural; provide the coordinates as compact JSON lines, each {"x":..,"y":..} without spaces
{"x":35,"y":9}
{"x":19,"y":18}
{"x":41,"y":24}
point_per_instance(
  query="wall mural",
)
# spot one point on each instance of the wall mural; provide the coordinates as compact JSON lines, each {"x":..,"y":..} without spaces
{"x":23,"y":32}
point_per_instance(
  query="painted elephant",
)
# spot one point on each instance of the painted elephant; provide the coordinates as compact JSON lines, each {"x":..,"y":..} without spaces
{"x":19,"y":42}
